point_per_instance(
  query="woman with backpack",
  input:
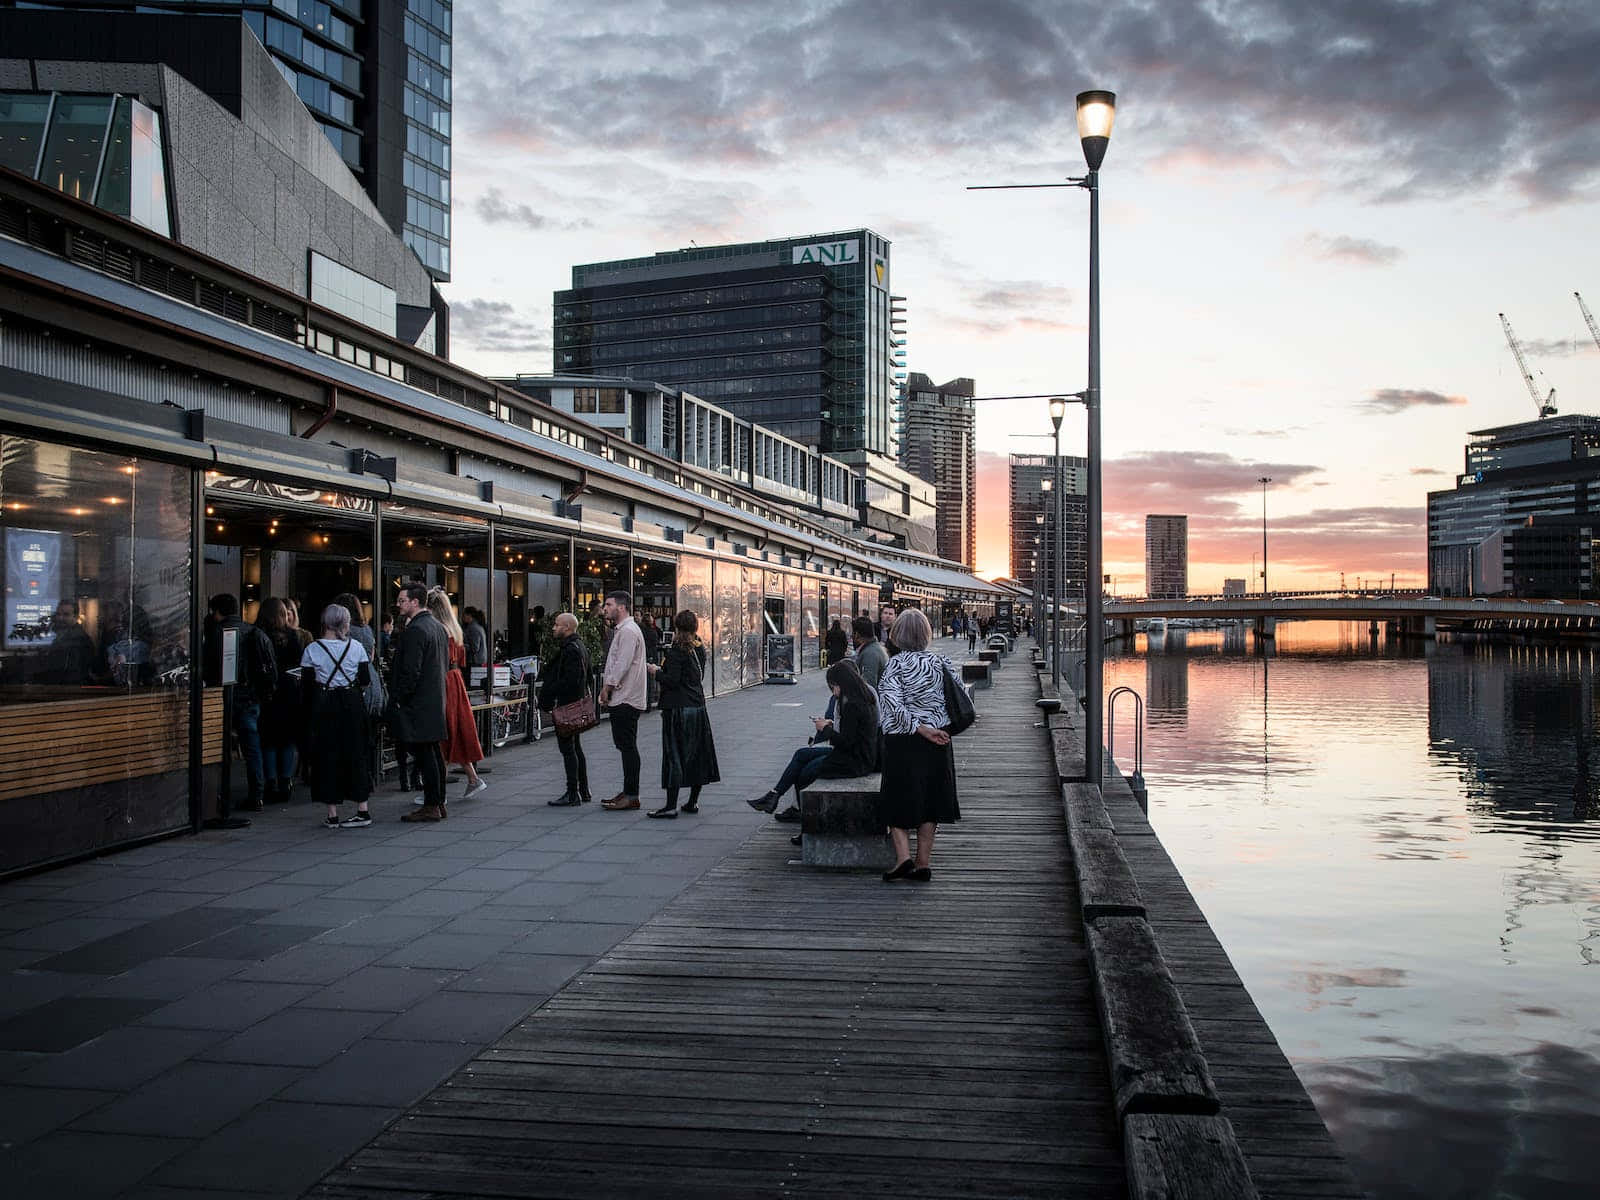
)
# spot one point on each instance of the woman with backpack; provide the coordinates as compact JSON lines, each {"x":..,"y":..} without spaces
{"x":688,"y":752}
{"x":334,"y":673}
{"x":377,"y":696}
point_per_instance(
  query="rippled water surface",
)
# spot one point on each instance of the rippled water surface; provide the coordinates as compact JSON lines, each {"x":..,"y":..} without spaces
{"x":1400,"y":849}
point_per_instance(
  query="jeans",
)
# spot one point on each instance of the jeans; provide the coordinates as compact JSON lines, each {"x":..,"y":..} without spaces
{"x":625,"y":737}
{"x":427,"y":760}
{"x":278,"y":762}
{"x":802,"y":768}
{"x":247,"y":728}
{"x":577,"y":766}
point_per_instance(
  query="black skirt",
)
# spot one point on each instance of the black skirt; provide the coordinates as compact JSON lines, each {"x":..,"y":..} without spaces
{"x":919,"y":783}
{"x":688,"y":753}
{"x":339,"y":749}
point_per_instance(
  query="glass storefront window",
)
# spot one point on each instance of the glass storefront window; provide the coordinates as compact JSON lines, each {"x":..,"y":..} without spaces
{"x":655,"y":590}
{"x":810,"y":626}
{"x":598,"y":569}
{"x":72,"y":150}
{"x":531,"y":588}
{"x":791,"y":602}
{"x":755,"y":667}
{"x":22,"y":130}
{"x":436,"y":550}
{"x":94,"y":682}
{"x":694,"y":595}
{"x":730,"y":622}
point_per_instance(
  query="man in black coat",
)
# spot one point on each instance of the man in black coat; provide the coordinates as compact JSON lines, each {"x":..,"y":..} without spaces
{"x":416,"y":690}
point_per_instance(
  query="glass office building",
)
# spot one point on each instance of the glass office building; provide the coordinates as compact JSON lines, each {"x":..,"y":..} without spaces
{"x":377,"y":78}
{"x":794,"y":333}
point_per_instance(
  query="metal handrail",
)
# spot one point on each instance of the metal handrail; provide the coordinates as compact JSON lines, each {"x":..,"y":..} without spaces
{"x":1138,"y":732}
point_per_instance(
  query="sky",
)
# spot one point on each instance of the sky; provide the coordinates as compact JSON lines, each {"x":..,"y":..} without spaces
{"x":1311,"y":217}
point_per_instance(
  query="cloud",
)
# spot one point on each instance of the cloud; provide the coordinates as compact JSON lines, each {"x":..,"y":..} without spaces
{"x":1427,"y":471}
{"x":1388,"y":101}
{"x":496,"y":326}
{"x":495,"y":209}
{"x":1557,"y":347}
{"x":1351,"y":250}
{"x":1011,"y":306}
{"x":1397,"y":400}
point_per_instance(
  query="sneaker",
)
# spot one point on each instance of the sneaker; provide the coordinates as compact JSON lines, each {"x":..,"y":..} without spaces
{"x":790,"y":815}
{"x":331,"y":823}
{"x":419,"y":799}
{"x":359,"y":821}
{"x":474,"y":788}
{"x":767,"y":802}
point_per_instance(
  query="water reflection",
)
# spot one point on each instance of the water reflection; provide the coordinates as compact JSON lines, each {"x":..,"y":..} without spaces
{"x":1396,"y":843}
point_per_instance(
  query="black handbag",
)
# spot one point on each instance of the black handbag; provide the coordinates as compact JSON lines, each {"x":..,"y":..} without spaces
{"x":957,"y":705}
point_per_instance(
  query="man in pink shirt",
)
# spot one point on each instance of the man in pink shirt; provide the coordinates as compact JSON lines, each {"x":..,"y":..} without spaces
{"x":622,"y":694}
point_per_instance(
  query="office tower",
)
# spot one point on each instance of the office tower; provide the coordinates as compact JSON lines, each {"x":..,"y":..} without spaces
{"x":1524,"y":516}
{"x":376,"y":76}
{"x":796,"y":334}
{"x":1033,"y":516}
{"x":1166,"y":556}
{"x":937,"y":446}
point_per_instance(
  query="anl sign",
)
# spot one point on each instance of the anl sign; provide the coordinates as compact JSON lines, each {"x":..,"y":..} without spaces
{"x":828,"y":254}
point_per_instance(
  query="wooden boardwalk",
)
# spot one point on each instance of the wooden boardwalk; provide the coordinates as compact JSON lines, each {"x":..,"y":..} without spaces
{"x":780,"y":1031}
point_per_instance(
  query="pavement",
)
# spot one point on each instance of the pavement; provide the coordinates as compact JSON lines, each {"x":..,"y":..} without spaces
{"x":236,"y":1013}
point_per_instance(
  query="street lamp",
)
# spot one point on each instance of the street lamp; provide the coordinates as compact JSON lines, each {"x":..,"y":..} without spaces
{"x":1263,"y":481}
{"x":1058,"y":409}
{"x":1097,"y":110}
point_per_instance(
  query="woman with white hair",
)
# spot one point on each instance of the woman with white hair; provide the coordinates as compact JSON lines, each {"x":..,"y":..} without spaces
{"x":919,"y":771}
{"x":334,"y":672}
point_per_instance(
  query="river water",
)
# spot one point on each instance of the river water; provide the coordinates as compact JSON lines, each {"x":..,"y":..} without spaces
{"x":1399,"y":847}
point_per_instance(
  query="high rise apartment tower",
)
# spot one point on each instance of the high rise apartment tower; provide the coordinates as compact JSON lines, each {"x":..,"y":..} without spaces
{"x":1166,"y":556}
{"x":937,"y":446}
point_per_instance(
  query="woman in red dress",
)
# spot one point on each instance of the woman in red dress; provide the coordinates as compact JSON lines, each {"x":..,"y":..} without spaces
{"x":461,"y":747}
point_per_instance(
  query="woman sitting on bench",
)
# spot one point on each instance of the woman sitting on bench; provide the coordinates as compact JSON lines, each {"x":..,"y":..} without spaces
{"x":843,"y":751}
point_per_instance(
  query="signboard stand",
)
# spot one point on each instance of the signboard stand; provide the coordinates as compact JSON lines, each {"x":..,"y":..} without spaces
{"x":230,"y":669}
{"x":780,"y":658}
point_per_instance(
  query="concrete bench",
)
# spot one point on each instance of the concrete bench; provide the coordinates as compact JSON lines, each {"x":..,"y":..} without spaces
{"x":977,"y":674}
{"x":990,"y":656}
{"x":839,"y":824}
{"x":1000,"y":642}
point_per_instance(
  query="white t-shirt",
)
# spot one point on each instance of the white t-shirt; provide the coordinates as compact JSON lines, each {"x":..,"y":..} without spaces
{"x":321,"y":655}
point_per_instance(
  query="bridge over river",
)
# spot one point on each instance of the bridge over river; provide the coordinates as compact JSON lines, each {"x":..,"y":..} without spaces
{"x":1409,"y":613}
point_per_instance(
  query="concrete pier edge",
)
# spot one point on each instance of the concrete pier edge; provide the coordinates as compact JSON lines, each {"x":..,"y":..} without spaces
{"x":1166,"y":1102}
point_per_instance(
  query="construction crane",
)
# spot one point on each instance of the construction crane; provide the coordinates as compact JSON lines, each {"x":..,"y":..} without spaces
{"x":1545,"y":407}
{"x":1588,"y":318}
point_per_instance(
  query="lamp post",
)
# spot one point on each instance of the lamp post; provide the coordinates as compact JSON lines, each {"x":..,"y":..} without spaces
{"x":1263,"y":481}
{"x":1046,"y":569}
{"x":1096,"y":112}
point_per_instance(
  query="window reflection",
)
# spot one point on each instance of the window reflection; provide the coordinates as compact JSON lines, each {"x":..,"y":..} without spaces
{"x":77,"y":135}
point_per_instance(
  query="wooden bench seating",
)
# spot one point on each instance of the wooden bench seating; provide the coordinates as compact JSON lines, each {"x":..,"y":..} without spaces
{"x":839,"y":824}
{"x":54,"y":745}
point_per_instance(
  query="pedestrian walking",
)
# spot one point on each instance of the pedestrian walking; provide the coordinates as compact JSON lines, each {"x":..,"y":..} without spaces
{"x":461,"y":747}
{"x":622,"y":694}
{"x":280,"y":720}
{"x":884,"y":630}
{"x":416,"y":697}
{"x":688,"y":752}
{"x":476,"y":639}
{"x":838,"y":642}
{"x":972,"y":635}
{"x":919,"y":774}
{"x":334,"y":672}
{"x":565,"y":680}
{"x":255,"y":679}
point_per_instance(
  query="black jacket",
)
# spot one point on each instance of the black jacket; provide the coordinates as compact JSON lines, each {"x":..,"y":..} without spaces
{"x":567,"y":676}
{"x":854,"y":739}
{"x":838,"y":644}
{"x":416,"y":684}
{"x":681,"y":677}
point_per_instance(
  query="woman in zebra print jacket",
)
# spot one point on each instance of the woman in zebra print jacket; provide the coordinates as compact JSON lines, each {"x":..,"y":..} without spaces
{"x":919,"y":773}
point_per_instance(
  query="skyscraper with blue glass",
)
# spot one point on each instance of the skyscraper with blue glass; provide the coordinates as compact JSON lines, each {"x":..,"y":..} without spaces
{"x":374,"y":73}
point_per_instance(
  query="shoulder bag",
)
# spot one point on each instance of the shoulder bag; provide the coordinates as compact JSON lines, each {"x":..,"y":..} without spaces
{"x":957,"y":704}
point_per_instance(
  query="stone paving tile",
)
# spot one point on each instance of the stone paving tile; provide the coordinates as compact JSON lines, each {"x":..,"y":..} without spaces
{"x":30,"y":1112}
{"x":451,"y":952}
{"x":379,"y":887}
{"x":70,"y":1021}
{"x":382,"y":929}
{"x":312,"y":962}
{"x":84,"y":1166}
{"x":330,"y":914}
{"x":167,"y":978}
{"x":192,"y":1100}
{"x":29,"y":914}
{"x":522,"y":859}
{"x":296,"y":1037}
{"x":149,"y":905}
{"x":523,"y":974}
{"x":230,"y":1005}
{"x":388,"y":1073}
{"x":27,"y":989}
{"x":270,"y":895}
{"x":460,"y":1016}
{"x":483,"y":879}
{"x":593,"y":939}
{"x":331,"y":874}
{"x":120,"y":1060}
{"x":437,"y":903}
{"x":380,"y":989}
{"x":540,"y":893}
{"x":69,"y":934}
{"x":278,"y":1147}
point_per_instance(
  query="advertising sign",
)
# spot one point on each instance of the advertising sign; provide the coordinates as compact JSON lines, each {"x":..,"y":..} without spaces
{"x":1002,"y":616}
{"x":780,"y":658}
{"x":33,"y":585}
{"x":828,"y":254}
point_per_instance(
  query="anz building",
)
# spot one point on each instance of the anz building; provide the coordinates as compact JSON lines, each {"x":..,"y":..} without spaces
{"x":794,"y":334}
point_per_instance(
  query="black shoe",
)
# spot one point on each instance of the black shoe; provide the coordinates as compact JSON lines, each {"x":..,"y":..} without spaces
{"x":899,"y":872}
{"x":767,"y":802}
{"x":795,"y":840}
{"x":565,"y":800}
{"x":922,"y":875}
{"x":584,"y":797}
{"x":667,"y":812}
{"x":691,"y":807}
{"x":790,"y":815}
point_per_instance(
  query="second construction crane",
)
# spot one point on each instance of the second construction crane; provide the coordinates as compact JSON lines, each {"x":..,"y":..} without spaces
{"x":1547,"y":406}
{"x":1588,"y":318}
